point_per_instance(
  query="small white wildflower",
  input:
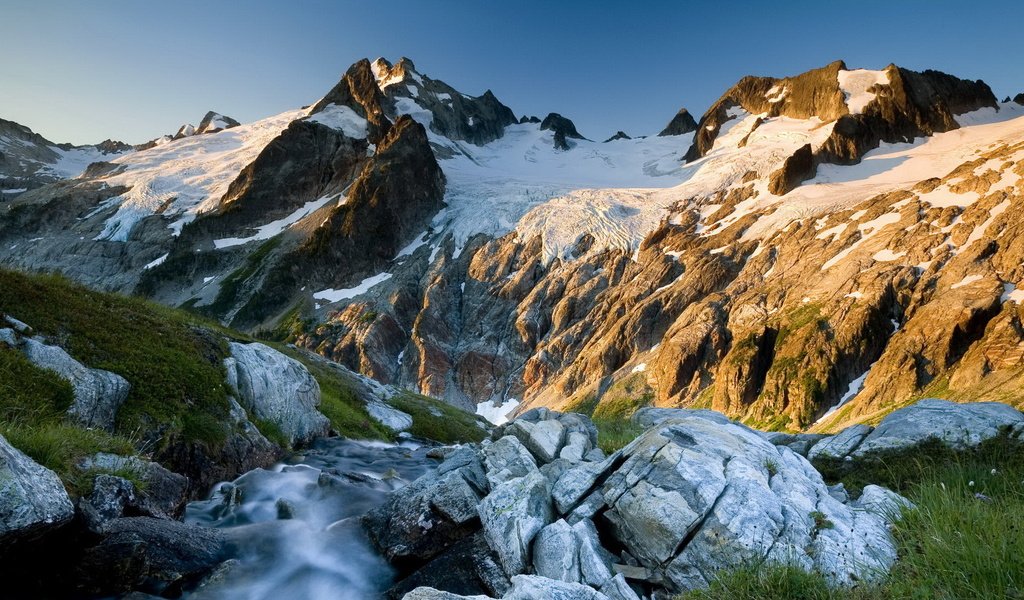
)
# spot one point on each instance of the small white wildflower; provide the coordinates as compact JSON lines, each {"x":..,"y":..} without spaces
{"x":943,"y":485}
{"x":970,"y":483}
{"x":993,"y":471}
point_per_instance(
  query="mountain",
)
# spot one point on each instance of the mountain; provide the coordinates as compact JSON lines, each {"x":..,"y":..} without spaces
{"x":28,"y":160}
{"x":840,"y":237}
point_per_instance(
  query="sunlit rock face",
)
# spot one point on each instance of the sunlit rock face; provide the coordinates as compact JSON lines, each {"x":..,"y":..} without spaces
{"x":814,"y":250}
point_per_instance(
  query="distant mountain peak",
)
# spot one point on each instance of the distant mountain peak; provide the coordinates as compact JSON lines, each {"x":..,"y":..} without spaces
{"x":680,"y":124}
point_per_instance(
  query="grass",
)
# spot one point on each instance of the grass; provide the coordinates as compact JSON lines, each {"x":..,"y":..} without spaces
{"x":33,"y":403}
{"x":615,"y":434}
{"x":963,"y":540}
{"x":338,"y":402}
{"x":624,"y":398}
{"x":60,"y":447}
{"x":171,"y":360}
{"x":436,"y":420}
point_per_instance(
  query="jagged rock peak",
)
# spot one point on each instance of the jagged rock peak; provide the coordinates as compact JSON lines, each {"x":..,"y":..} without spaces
{"x":868,"y":107}
{"x":387,"y":74}
{"x":359,"y":90}
{"x":563,"y":129}
{"x":185,"y":130}
{"x":619,"y":135}
{"x":213,"y":121}
{"x":680,"y":124}
{"x":530,"y":119}
{"x":1019,"y":98}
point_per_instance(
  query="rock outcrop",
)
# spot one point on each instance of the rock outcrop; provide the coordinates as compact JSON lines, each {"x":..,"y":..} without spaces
{"x":680,"y":124}
{"x":98,"y":393}
{"x":32,"y":498}
{"x":909,"y":104}
{"x":693,"y":495}
{"x":619,"y":135}
{"x":563,"y":129}
{"x":957,"y":426}
{"x":278,"y":389}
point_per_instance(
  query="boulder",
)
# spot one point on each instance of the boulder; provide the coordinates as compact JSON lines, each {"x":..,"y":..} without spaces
{"x":506,"y":459}
{"x":512,"y":514}
{"x":32,"y":498}
{"x":554,"y":553}
{"x":958,"y":426}
{"x":164,"y":494}
{"x":649,"y":416}
{"x":426,"y":593}
{"x":469,"y":567}
{"x":840,"y":444}
{"x":532,"y":587}
{"x":427,"y":517}
{"x":108,"y":500}
{"x":389,"y":417}
{"x":156,"y":555}
{"x":278,"y":389}
{"x":693,"y":497}
{"x":98,"y":393}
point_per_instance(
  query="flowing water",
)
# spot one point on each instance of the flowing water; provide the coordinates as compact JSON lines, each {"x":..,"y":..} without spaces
{"x":296,"y":525}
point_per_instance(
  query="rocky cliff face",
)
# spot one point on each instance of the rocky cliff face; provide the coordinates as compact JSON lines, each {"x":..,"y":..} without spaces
{"x":846,"y":237}
{"x":28,"y":160}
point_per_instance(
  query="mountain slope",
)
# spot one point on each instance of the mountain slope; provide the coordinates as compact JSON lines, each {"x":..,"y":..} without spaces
{"x":838,"y":236}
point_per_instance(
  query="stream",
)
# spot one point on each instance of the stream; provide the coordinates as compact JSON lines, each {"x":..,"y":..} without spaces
{"x":296,"y":525}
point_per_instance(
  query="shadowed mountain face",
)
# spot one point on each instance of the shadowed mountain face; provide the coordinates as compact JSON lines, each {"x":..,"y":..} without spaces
{"x":838,"y":237}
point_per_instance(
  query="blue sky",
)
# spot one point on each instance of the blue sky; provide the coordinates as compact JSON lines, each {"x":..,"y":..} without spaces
{"x":82,"y":71}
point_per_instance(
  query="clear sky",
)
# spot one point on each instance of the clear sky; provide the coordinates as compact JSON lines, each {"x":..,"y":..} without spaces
{"x":85,"y":70}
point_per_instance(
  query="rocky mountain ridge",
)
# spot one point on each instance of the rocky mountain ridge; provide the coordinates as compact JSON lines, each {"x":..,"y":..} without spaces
{"x":838,"y":237}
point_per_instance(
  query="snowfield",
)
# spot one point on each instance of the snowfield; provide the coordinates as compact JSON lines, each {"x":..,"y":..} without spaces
{"x":183,"y":178}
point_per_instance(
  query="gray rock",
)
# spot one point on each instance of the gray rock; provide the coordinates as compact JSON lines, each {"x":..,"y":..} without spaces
{"x":650,"y":416}
{"x":108,"y":500}
{"x":618,"y":589}
{"x":576,"y":482}
{"x":840,"y":444}
{"x":555,"y":553}
{"x":151,"y":554}
{"x":576,"y":447}
{"x":392,"y":418}
{"x":98,"y":393}
{"x":427,"y":517}
{"x":7,"y":336}
{"x":533,"y":587}
{"x":543,"y":439}
{"x":278,"y":389}
{"x":506,"y":459}
{"x":32,"y":498}
{"x":425,"y":593}
{"x":18,"y":326}
{"x":512,"y":514}
{"x":595,"y":562}
{"x":695,"y":496}
{"x":165,"y":492}
{"x":955,"y":425}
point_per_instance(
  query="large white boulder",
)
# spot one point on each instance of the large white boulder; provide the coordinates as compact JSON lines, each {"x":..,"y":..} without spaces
{"x":276,"y":388}
{"x":32,"y":498}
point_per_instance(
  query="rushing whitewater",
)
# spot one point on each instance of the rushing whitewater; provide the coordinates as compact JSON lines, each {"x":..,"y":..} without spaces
{"x":297,"y":524}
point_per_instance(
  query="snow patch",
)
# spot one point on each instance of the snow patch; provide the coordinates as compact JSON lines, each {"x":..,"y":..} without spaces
{"x":967,"y":280}
{"x":332,"y":295}
{"x":854,"y":85}
{"x":265,"y":232}
{"x":341,"y":118}
{"x":497,"y":413}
